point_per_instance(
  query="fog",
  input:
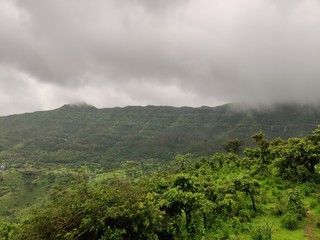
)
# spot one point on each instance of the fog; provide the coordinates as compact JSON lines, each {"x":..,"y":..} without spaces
{"x":196,"y":52}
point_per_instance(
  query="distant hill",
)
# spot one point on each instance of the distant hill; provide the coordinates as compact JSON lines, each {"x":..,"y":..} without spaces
{"x":81,"y":133}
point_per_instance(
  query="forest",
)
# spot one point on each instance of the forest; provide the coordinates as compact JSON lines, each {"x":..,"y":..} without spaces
{"x":269,"y":191}
{"x":160,"y":173}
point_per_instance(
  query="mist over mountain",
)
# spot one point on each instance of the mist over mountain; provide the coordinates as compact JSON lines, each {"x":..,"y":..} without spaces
{"x":196,"y":52}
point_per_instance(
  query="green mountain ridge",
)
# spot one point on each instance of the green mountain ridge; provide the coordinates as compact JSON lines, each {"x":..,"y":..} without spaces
{"x":82,"y":132}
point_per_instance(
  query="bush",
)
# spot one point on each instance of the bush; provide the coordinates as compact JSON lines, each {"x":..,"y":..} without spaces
{"x":245,"y":215}
{"x":262,"y":233}
{"x":276,"y":192}
{"x":313,"y":204}
{"x":308,"y":188}
{"x":117,"y":211}
{"x":290,"y":220}
{"x":278,"y":210}
{"x":6,"y":230}
{"x":295,"y":204}
{"x":225,"y":232}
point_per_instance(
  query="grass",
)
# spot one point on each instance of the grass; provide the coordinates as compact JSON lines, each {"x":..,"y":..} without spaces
{"x":278,"y":233}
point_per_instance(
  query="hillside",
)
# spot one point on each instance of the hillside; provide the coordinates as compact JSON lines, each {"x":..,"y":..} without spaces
{"x":89,"y":158}
{"x":271,"y":192}
{"x":83,"y":133}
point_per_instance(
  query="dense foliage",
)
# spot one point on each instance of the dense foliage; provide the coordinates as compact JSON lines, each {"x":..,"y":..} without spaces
{"x":259,"y":195}
{"x":72,"y":136}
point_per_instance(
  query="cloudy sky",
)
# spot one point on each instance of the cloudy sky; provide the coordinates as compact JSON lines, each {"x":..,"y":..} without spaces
{"x":158,"y":52}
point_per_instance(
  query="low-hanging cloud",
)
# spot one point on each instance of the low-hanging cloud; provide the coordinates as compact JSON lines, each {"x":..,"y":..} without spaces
{"x":200,"y":52}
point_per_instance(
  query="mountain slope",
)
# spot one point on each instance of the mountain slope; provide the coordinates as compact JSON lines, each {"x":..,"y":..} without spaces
{"x":83,"y":133}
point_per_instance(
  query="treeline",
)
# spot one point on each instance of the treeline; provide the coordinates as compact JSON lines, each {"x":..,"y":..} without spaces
{"x":209,"y":197}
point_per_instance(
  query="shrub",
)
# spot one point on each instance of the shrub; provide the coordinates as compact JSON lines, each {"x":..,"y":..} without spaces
{"x":313,"y":204}
{"x":295,"y":204}
{"x":276,"y":192}
{"x":290,"y":220}
{"x":245,"y":215}
{"x":278,"y":210}
{"x":6,"y":230}
{"x":262,"y":233}
{"x":308,"y":188}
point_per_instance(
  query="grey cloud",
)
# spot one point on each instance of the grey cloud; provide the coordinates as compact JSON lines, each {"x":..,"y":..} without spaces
{"x":17,"y":93}
{"x":213,"y":50}
{"x":156,"y":6}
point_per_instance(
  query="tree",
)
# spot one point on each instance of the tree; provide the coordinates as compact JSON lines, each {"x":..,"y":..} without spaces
{"x":184,"y":196}
{"x":233,"y":146}
{"x":297,"y":159}
{"x":295,"y":204}
{"x":181,"y":162}
{"x":250,"y":187}
{"x":294,"y":209}
{"x":117,"y":210}
{"x":263,"y":145}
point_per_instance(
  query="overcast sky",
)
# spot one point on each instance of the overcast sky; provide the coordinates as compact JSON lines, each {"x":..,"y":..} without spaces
{"x":157,"y":52}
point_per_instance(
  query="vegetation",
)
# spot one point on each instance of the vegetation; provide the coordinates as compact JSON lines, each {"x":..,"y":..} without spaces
{"x":267,"y":191}
{"x":73,"y":136}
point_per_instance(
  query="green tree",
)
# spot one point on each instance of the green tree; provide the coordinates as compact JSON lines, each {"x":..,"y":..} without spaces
{"x":294,"y":203}
{"x":296,"y":159}
{"x":184,"y":196}
{"x":116,"y":210}
{"x":250,"y":187}
{"x":263,"y":145}
{"x":233,"y":146}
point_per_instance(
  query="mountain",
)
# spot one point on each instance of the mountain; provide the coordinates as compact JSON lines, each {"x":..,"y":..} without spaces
{"x":81,"y":134}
